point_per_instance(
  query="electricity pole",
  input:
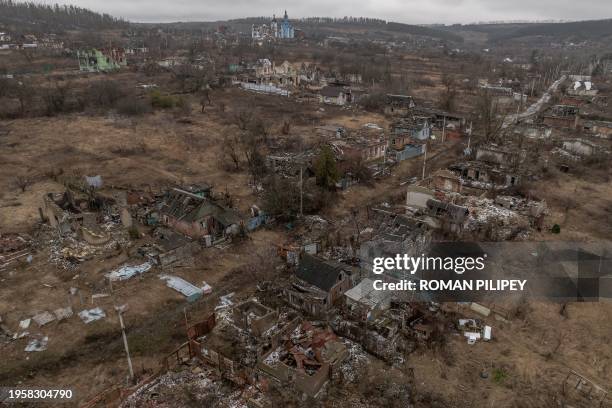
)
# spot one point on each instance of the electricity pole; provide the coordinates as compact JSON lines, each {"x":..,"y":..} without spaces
{"x":424,"y":161}
{"x":125,"y":343}
{"x":444,"y":129}
{"x":301,"y":193}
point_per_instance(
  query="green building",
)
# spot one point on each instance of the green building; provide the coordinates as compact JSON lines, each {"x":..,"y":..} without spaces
{"x":93,"y":60}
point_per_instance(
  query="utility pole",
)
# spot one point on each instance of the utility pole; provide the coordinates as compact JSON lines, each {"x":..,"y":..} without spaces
{"x":424,"y":161}
{"x":120,"y":310}
{"x":444,"y":129}
{"x":125,"y":343}
{"x":301,"y":192}
{"x":518,"y":109}
{"x":469,"y":137}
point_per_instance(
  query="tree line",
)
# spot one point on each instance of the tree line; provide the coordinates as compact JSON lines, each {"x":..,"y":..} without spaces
{"x":47,"y":17}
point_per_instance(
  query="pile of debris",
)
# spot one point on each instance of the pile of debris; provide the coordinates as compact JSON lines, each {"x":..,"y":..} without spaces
{"x":13,"y":248}
{"x":474,"y":330}
{"x":67,"y":251}
{"x":503,"y":218}
{"x":307,"y":349}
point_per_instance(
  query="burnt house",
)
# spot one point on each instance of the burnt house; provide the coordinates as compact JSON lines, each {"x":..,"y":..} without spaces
{"x":441,"y":119}
{"x":61,"y":211}
{"x":169,"y":249}
{"x":196,"y":216}
{"x":597,"y":128}
{"x":319,"y":284}
{"x":561,"y":116}
{"x":445,"y":180}
{"x":331,"y":131}
{"x":369,"y":144}
{"x":582,"y":88}
{"x":483,"y":175}
{"x":573,"y":100}
{"x":416,"y":127}
{"x":499,"y":155}
{"x":305,"y":358}
{"x":290,"y":164}
{"x":254,"y":317}
{"x":399,"y":105}
{"x":335,"y":95}
{"x":456,"y":213}
{"x":80,"y":213}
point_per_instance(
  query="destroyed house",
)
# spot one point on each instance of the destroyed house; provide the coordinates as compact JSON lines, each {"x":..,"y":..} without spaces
{"x":319,"y":284}
{"x":498,"y":155}
{"x":290,"y":352}
{"x":306,"y":358}
{"x":582,"y":88}
{"x":445,"y":180}
{"x":364,"y":302}
{"x":335,"y":95}
{"x":482,"y":175}
{"x":561,"y":116}
{"x":406,"y":139}
{"x":417,"y":127}
{"x":331,"y":131}
{"x":441,"y":119}
{"x":380,"y":335}
{"x":197,"y":216}
{"x":262,"y":68}
{"x":169,"y":248}
{"x":452,"y":216}
{"x":417,"y":196}
{"x":286,"y":74}
{"x":94,"y":60}
{"x":398,"y":104}
{"x":573,"y":100}
{"x":367,"y":147}
{"x":396,"y":234}
{"x":598,"y":128}
{"x":290,"y":164}
{"x":61,"y":211}
{"x":581,"y":147}
{"x":532,"y":131}
{"x":78,"y":214}
{"x":254,"y":317}
{"x":410,"y":150}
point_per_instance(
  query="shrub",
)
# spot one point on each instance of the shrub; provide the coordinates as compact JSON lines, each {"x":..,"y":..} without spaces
{"x":162,"y":101}
{"x":183,"y":105}
{"x":556,"y":229}
{"x":499,"y":375}
{"x":105,"y":93}
{"x":131,"y":106}
{"x":373,"y":102}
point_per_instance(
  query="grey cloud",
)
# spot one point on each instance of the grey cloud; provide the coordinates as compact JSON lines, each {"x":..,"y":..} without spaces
{"x":405,"y":11}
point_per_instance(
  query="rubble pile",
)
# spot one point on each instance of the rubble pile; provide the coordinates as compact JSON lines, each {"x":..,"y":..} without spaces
{"x":67,"y":251}
{"x":504,"y":218}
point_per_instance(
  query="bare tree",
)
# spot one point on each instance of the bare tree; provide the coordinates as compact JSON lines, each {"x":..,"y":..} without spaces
{"x":285,"y":129}
{"x":22,"y":182}
{"x":251,"y":148}
{"x":243,"y":119}
{"x":230,"y":151}
{"x":205,"y":99}
{"x":447,"y":99}
{"x":25,"y":95}
{"x":56,"y":97}
{"x":489,"y":119}
{"x":28,"y":54}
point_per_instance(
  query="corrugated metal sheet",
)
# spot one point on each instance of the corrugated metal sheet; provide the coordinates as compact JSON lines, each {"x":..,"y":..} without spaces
{"x":190,"y":291}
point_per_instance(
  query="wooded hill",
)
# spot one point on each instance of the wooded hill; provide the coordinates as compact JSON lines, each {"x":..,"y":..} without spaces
{"x":22,"y":17}
{"x":593,"y":30}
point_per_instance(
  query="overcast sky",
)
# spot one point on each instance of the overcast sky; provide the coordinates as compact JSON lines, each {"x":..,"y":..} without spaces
{"x":404,"y":11}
